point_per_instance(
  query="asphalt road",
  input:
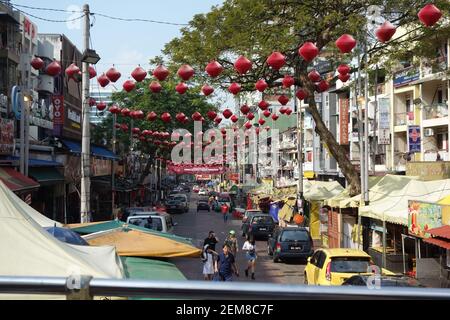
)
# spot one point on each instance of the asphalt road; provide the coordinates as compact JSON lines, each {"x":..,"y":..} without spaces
{"x":197,"y":226}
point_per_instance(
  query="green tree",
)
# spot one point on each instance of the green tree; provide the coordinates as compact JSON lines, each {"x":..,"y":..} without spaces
{"x":257,"y":28}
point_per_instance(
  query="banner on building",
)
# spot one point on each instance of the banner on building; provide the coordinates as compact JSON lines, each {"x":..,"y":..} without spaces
{"x":203,"y":177}
{"x":58,"y":110}
{"x":6,"y":136}
{"x":406,"y":76}
{"x":414,"y":139}
{"x":344,"y":105}
{"x":195,"y":169}
{"x":384,"y":131}
{"x":423,"y":216}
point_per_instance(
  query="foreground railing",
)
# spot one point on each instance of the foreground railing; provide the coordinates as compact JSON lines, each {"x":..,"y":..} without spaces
{"x":86,"y":288}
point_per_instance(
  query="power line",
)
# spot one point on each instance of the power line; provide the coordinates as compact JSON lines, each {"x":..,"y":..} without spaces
{"x":139,"y":20}
{"x":40,"y":18}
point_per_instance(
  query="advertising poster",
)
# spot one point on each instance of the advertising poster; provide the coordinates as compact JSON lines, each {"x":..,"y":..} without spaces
{"x":423,"y":216}
{"x":384,"y":131}
{"x":414,"y":139}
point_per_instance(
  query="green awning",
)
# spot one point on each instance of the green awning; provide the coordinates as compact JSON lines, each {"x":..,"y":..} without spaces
{"x":148,"y":269}
{"x":46,"y":176}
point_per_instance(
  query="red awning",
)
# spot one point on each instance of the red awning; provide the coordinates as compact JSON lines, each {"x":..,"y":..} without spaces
{"x":15,"y":180}
{"x":438,"y":242}
{"x":441,"y":232}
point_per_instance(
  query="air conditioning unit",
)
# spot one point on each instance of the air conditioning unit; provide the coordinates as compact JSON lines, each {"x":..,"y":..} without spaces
{"x":428,"y":132}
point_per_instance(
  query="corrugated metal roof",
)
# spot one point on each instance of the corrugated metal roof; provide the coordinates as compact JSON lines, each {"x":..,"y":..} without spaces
{"x":441,"y":232}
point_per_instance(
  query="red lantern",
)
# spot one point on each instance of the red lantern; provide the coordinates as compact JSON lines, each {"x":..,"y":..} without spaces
{"x":92,"y":102}
{"x":101,"y":106}
{"x":267,"y":128}
{"x":283,"y":110}
{"x":166,"y":117}
{"x":323,"y":86}
{"x":344,"y":77}
{"x":182,"y":88}
{"x":346,"y":43}
{"x":139,"y":74}
{"x":139,"y":114}
{"x":136,"y":130}
{"x":250,"y":116}
{"x":275,"y":117}
{"x":283,"y":100}
{"x":207,"y":90}
{"x":142,"y":139}
{"x":301,"y":94}
{"x":92,"y":72}
{"x":53,"y":69}
{"x":248,"y":125}
{"x":243,"y":65}
{"x":385,"y":32}
{"x":161,"y":73}
{"x":37,"y":63}
{"x":113,"y":75}
{"x":289,"y":111}
{"x":124,"y":127}
{"x":258,"y":131}
{"x":180,"y":117}
{"x":218,"y":120}
{"x":267,"y":113}
{"x":262,"y":122}
{"x":344,"y":69}
{"x":308,"y":51}
{"x":429,"y":15}
{"x":261,"y":85}
{"x":125,"y":112}
{"x":314,"y":76}
{"x":234,"y":118}
{"x":276,"y":60}
{"x":214,"y":69}
{"x":245,"y":109}
{"x":152,"y":116}
{"x":288,"y":81}
{"x":235,"y":88}
{"x":227,"y":114}
{"x":197,"y":116}
{"x":117,"y":126}
{"x":115,"y":110}
{"x":129,"y":85}
{"x":211,"y":115}
{"x":186,"y":72}
{"x":155,"y":87}
{"x":263,"y":105}
{"x":103,"y":80}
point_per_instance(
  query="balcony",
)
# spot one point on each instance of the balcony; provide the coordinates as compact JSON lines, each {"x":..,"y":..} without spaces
{"x":288,"y":144}
{"x":401,"y":118}
{"x":435,"y":115}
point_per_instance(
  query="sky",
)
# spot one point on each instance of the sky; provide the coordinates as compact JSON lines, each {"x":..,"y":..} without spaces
{"x":125,"y":44}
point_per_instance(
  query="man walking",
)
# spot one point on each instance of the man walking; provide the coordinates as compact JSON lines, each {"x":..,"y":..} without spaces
{"x":225,"y":265}
{"x":211,"y":241}
{"x":225,"y":211}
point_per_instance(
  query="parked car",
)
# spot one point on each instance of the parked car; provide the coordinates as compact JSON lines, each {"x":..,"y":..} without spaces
{"x":203,"y":204}
{"x":153,"y":220}
{"x":203,"y":192}
{"x":177,"y":203}
{"x":249,"y":214}
{"x":382,"y":281}
{"x":128,"y":212}
{"x":196,"y":189}
{"x":332,"y":267}
{"x":290,"y":243}
{"x":260,"y":226}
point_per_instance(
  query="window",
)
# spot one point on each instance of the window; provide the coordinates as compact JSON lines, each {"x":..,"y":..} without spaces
{"x":292,"y":235}
{"x":442,"y":141}
{"x":440,"y":96}
{"x":350,"y":265}
{"x":321,"y":259}
{"x":315,"y":257}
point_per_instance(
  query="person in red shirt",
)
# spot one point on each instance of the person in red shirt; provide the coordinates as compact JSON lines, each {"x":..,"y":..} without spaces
{"x":225,"y":211}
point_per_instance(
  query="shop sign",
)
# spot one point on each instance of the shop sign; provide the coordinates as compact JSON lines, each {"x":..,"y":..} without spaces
{"x":3,"y":103}
{"x":58,"y":110}
{"x":406,"y":76}
{"x":41,"y":115}
{"x":423,"y":216}
{"x":6,"y":136}
{"x":344,"y":105}
{"x":428,"y":171}
{"x":203,"y":177}
{"x":75,"y":117}
{"x":414,"y":139}
{"x":384,"y":132}
{"x":100,"y":167}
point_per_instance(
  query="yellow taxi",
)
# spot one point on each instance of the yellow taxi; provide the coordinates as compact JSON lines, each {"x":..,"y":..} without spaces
{"x":331,"y":267}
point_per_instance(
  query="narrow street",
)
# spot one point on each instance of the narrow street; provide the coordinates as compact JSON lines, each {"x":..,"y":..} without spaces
{"x":197,"y":226}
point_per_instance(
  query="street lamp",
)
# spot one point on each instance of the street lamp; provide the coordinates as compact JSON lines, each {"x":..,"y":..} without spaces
{"x":90,"y":56}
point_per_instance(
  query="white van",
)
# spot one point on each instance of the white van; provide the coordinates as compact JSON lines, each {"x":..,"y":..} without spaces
{"x":158,"y":221}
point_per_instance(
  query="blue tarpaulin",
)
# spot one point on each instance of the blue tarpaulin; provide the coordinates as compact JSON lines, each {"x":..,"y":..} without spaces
{"x":274,"y":209}
{"x":75,"y":147}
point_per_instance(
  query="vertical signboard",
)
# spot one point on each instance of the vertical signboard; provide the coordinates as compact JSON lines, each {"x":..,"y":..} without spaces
{"x":343,"y":121}
{"x":6,"y":137}
{"x":384,"y":132}
{"x":58,"y":110}
{"x":414,"y":139}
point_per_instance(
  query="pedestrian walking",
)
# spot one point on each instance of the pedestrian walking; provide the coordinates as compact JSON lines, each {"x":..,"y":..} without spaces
{"x":225,"y":211}
{"x":225,"y":265}
{"x":212,"y":240}
{"x":208,"y":257}
{"x":232,"y":243}
{"x":250,"y":249}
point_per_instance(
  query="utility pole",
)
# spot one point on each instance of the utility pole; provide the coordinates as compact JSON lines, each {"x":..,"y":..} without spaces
{"x":86,"y":137}
{"x":366,"y":126}
{"x":375,"y":125}
{"x":300,"y":191}
{"x":113,"y":166}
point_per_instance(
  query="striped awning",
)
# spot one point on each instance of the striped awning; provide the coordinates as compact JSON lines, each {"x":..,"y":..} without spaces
{"x":16,"y":181}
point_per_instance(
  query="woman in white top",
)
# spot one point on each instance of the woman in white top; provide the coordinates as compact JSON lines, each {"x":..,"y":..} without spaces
{"x":208,"y":262}
{"x":250,"y":249}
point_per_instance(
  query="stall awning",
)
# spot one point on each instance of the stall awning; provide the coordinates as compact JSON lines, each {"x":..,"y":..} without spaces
{"x":16,"y":181}
{"x":46,"y":176}
{"x":75,"y":147}
{"x":438,"y":242}
{"x":37,"y":162}
{"x":442,"y":232}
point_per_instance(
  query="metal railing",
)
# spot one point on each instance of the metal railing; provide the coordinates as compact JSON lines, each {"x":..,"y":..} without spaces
{"x":89,"y":288}
{"x":436,"y":111}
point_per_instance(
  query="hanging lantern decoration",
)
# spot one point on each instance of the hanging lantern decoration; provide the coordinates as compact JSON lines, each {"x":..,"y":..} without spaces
{"x":166,"y":117}
{"x":245,"y":109}
{"x":146,"y":133}
{"x":429,"y":15}
{"x":283,"y":110}
{"x":103,"y":80}
{"x":117,"y":126}
{"x":299,"y":219}
{"x":289,"y":111}
{"x":343,"y":69}
{"x":314,"y":76}
{"x":301,"y":94}
{"x":344,"y":77}
{"x":113,"y":75}
{"x":152,"y":116}
{"x":139,"y":115}
{"x":250,"y":116}
{"x":37,"y":63}
{"x":211,"y":115}
{"x":92,"y":72}
{"x":92,"y":102}
{"x":186,"y":72}
{"x":139,"y":74}
{"x":180,"y":117}
{"x":248,"y":125}
{"x":308,"y":51}
{"x":124,"y":127}
{"x":323,"y":86}
{"x":234,"y":118}
{"x":101,"y":106}
{"x":129,"y":85}
{"x":385,"y":32}
{"x":142,"y":139}
{"x":276,"y":60}
{"x":214,"y":69}
{"x":258,"y":131}
{"x":283,"y":100}
{"x":346,"y":43}
{"x":235,"y":88}
{"x":161,"y":73}
{"x":243,"y":65}
{"x":125,"y":112}
{"x":227,"y":114}
{"x":53,"y":69}
{"x":261,"y":85}
{"x":182,"y":88}
{"x":264,"y":105}
{"x":262,"y":122}
{"x":136,"y":130}
{"x":275,"y":117}
{"x":197,"y":116}
{"x":218,"y":120}
{"x":207,"y":90}
{"x":133,"y":114}
{"x":155,"y":87}
{"x":288,"y":81}
{"x":267,"y":113}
